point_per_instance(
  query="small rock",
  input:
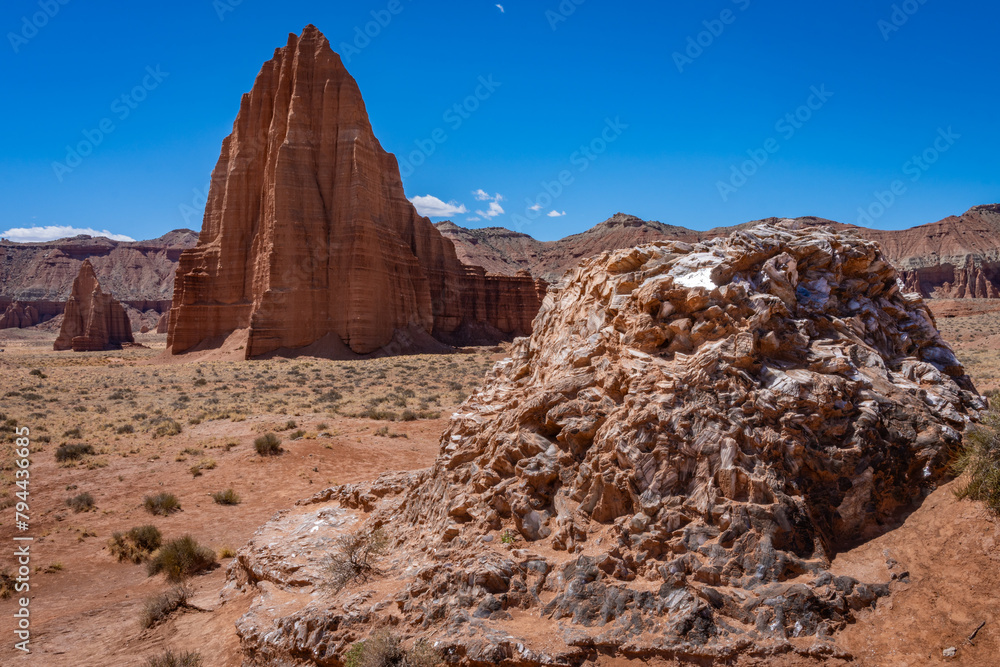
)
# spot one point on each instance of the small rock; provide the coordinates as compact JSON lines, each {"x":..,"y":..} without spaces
{"x":950,"y":652}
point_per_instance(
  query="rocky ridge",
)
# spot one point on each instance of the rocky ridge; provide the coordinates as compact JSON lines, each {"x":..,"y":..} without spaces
{"x":309,"y":239}
{"x":94,"y":320}
{"x":41,"y":275}
{"x":954,"y":258}
{"x":665,"y":467}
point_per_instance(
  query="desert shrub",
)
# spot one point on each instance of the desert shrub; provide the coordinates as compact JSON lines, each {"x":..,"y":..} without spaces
{"x":127,"y":428}
{"x":227,"y":552}
{"x":227,"y":497}
{"x":37,"y":372}
{"x":290,"y":424}
{"x":7,"y":583}
{"x":979,"y":460}
{"x":83,"y":502}
{"x":171,"y":659}
{"x":162,"y":503}
{"x":181,"y":558}
{"x":73,"y":451}
{"x":356,"y":556}
{"x":136,"y":545}
{"x":200,"y":382}
{"x":158,"y":607}
{"x":383,"y":649}
{"x":379,"y":414}
{"x":267,"y":445}
{"x":167,"y":427}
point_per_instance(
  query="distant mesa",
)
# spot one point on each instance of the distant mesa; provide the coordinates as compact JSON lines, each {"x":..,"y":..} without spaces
{"x":955,"y":258}
{"x":309,"y":240}
{"x":40,"y":275}
{"x":93,"y":320}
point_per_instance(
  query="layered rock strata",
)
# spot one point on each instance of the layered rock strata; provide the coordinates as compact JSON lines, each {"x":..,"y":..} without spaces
{"x":93,"y":320}
{"x":665,"y":467}
{"x":308,"y":232}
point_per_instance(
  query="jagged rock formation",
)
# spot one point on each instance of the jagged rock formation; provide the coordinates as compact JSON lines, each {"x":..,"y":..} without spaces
{"x":19,"y":316}
{"x":955,"y":258}
{"x":93,"y":320}
{"x":141,"y":273}
{"x":680,"y":448}
{"x":308,"y":232}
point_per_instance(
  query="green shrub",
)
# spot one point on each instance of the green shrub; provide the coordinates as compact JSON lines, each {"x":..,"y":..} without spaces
{"x":73,"y":451}
{"x":136,"y":545}
{"x":162,"y":503}
{"x":227,"y":497}
{"x":83,"y":502}
{"x":171,"y":659}
{"x":979,"y":460}
{"x":268,"y":445}
{"x":181,"y":558}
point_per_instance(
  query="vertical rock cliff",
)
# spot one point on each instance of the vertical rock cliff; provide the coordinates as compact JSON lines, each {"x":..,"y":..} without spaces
{"x":308,"y":232}
{"x":93,"y":320}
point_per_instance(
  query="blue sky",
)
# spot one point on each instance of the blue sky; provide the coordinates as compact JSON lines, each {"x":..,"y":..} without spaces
{"x":692,"y":113}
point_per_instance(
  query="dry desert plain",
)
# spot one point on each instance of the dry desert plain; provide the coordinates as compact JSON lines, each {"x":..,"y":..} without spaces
{"x":188,"y":428}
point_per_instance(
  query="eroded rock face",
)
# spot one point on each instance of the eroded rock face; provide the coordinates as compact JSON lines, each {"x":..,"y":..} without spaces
{"x":308,"y":232}
{"x":677,"y":452}
{"x":93,"y":320}
{"x":19,"y":316}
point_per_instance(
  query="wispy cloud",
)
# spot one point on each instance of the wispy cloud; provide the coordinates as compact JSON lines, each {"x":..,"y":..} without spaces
{"x":536,"y":207}
{"x":500,"y":7}
{"x":432,"y":207}
{"x":556,"y":214}
{"x":474,"y":218}
{"x":52,"y":232}
{"x":494,"y":209}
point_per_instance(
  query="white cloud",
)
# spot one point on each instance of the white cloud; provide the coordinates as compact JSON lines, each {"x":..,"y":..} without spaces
{"x":494,"y":210}
{"x":474,"y":218}
{"x":556,"y":214}
{"x":536,"y":207}
{"x":432,"y":207}
{"x":481,"y":195}
{"x":500,"y":7}
{"x":52,"y":232}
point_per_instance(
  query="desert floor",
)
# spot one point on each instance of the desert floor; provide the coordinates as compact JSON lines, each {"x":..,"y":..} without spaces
{"x":347,"y":421}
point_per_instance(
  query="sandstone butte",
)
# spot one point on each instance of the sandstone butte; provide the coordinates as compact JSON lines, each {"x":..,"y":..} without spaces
{"x":308,"y":237}
{"x":666,"y":467}
{"x":93,"y":320}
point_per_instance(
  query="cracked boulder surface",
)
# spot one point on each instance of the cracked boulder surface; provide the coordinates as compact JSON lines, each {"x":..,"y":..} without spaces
{"x":666,"y":467}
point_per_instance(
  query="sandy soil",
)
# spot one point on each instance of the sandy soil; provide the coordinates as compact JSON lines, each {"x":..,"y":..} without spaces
{"x":85,"y":604}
